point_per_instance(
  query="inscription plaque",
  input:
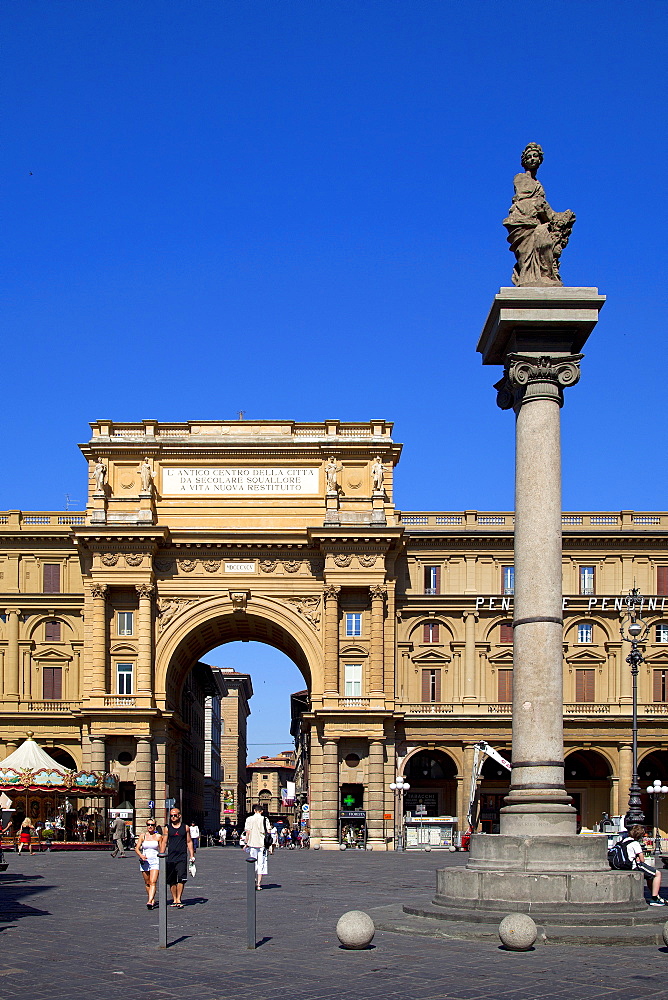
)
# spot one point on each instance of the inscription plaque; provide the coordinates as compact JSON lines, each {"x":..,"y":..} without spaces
{"x":240,"y":481}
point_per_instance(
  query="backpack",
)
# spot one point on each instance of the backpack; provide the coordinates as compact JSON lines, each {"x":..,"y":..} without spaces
{"x":618,"y":858}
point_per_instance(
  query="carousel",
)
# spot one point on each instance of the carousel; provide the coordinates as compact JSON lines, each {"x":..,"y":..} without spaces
{"x":66,"y":808}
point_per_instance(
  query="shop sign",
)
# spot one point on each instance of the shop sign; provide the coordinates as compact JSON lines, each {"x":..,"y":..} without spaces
{"x":353,"y":814}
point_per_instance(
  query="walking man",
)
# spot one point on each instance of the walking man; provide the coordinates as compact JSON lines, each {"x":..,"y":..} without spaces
{"x":117,"y":834}
{"x":177,"y":842}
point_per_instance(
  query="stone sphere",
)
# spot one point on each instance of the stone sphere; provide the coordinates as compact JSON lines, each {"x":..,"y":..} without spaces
{"x":427,"y":848}
{"x":665,"y":932}
{"x":517,"y":931}
{"x":452,"y":848}
{"x":342,"y":847}
{"x":355,"y":929}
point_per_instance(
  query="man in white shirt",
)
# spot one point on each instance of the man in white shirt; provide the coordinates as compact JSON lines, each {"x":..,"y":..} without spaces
{"x":636,"y":856}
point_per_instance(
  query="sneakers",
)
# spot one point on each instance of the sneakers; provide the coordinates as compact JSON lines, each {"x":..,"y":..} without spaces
{"x":657,"y":901}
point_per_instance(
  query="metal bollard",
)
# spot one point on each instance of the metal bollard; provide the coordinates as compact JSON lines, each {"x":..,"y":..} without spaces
{"x":162,"y":900}
{"x":251,"y":897}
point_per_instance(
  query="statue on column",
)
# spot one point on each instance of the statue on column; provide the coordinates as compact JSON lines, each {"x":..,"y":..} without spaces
{"x":332,"y":470}
{"x":536,"y":233}
{"x":146,"y":473}
{"x":100,"y":473}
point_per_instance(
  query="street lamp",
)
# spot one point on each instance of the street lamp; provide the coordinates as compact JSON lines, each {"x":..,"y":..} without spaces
{"x":656,"y":789}
{"x":636,"y":632}
{"x":399,"y":786}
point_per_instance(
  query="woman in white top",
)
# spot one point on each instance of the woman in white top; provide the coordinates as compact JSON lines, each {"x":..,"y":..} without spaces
{"x":147,"y":848}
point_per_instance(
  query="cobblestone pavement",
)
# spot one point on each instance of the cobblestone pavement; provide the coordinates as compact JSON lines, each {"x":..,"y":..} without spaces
{"x":76,"y":925}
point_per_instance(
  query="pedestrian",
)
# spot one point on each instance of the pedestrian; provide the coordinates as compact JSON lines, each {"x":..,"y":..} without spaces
{"x":194,"y":833}
{"x":25,"y":835}
{"x":117,"y":834}
{"x":222,"y":836}
{"x":258,"y":838}
{"x":235,"y":837}
{"x":147,"y":848}
{"x":177,"y":842}
{"x":635,"y":854}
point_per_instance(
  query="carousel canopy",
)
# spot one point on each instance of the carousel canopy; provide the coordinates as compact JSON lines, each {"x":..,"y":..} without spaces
{"x":30,"y":769}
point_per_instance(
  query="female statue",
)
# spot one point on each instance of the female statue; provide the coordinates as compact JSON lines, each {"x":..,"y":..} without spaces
{"x":536,"y":233}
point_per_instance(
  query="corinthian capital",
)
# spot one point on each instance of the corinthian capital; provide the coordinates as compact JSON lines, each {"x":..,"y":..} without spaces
{"x":98,"y":590}
{"x":145,"y":590}
{"x":378,"y":593}
{"x":332,"y":592}
{"x":530,"y":377}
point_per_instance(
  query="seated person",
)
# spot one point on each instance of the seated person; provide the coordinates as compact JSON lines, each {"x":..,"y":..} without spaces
{"x":634,"y":851}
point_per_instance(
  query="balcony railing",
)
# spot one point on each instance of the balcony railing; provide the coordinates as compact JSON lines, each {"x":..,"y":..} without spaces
{"x":119,"y":701}
{"x":51,"y":706}
{"x":587,"y":708}
{"x":472,"y":519}
{"x":500,"y":708}
{"x":23,"y":519}
{"x":429,"y":708}
{"x":354,"y":702}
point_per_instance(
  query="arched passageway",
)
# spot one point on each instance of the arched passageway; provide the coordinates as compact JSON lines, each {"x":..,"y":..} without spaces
{"x":493,"y":787}
{"x":432,"y":775}
{"x":587,"y":774}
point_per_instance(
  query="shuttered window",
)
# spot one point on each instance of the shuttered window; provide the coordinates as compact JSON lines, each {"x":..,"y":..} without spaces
{"x":430,"y":632}
{"x":662,"y":580}
{"x":52,"y":681}
{"x":505,"y":685}
{"x":51,"y":578}
{"x":52,"y":631}
{"x":506,"y":632}
{"x":660,"y":685}
{"x":431,"y":685}
{"x":587,"y":580}
{"x":432,"y":579}
{"x":584,"y":685}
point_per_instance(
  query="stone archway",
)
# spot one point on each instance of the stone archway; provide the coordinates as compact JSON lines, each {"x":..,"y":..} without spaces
{"x":432,"y":775}
{"x":587,"y":778}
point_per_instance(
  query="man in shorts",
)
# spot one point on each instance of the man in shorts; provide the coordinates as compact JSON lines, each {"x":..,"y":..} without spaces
{"x":177,"y":842}
{"x":636,"y":856}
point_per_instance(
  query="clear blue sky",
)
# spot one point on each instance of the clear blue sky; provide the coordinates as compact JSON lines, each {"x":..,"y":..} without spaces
{"x":295,"y":209}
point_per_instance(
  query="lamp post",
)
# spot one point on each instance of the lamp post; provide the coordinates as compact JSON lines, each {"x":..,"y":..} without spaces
{"x":399,"y":786}
{"x":634,"y":630}
{"x":656,"y":789}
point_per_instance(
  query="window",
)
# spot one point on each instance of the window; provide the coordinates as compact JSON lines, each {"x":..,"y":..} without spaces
{"x":505,"y":685}
{"x":662,"y":632}
{"x":662,"y":580}
{"x":431,"y":685}
{"x":660,"y":685}
{"x":432,"y":579}
{"x":508,"y":579}
{"x":506,"y":632}
{"x":353,"y":623}
{"x":125,"y":622}
{"x":587,"y":580}
{"x":584,"y":685}
{"x":52,"y":683}
{"x":52,"y":631}
{"x":430,"y":632}
{"x":124,"y":674}
{"x":353,"y":680}
{"x":265,"y":777}
{"x":585,"y":632}
{"x":51,"y":584}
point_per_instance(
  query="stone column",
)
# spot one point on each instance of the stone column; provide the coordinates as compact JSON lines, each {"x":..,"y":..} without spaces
{"x":11,"y":691}
{"x":10,"y":747}
{"x":330,"y":793}
{"x":469,"y":693}
{"x":467,"y":774}
{"x":97,"y":751}
{"x":144,"y":641}
{"x":378,"y":595}
{"x":331,"y":640}
{"x":143,"y":781}
{"x":625,"y":776}
{"x":160,"y":790}
{"x":614,"y":795}
{"x":375,"y":793}
{"x":99,"y":639}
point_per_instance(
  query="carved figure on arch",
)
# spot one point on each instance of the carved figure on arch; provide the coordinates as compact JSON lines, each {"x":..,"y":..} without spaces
{"x":536,"y":233}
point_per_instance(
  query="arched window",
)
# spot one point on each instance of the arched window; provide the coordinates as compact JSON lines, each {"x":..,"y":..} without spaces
{"x":585,"y":632}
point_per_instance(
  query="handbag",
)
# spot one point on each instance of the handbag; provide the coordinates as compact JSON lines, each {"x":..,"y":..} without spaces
{"x":268,"y":839}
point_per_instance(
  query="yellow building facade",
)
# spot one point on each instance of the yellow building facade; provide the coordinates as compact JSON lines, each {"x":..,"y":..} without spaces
{"x":196,"y":534}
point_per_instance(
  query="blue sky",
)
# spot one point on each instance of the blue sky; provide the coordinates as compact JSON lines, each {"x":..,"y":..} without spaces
{"x":295,"y":209}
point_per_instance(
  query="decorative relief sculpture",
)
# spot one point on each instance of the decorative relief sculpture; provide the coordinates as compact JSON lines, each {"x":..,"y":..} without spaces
{"x":109,"y":558}
{"x":308,"y":607}
{"x":169,"y":608}
{"x":100,"y":474}
{"x":268,"y":565}
{"x":98,"y":590}
{"x":239,"y":600}
{"x":332,"y":470}
{"x":211,"y":565}
{"x":146,"y":473}
{"x":187,"y":565}
{"x":317,"y":566}
{"x":367,"y":561}
{"x":377,"y":475}
{"x":343,"y":559}
{"x":291,"y":565}
{"x":145,"y":590}
{"x":536,"y":233}
{"x":164,"y":565}
{"x":134,"y":558}
{"x":379,"y":592}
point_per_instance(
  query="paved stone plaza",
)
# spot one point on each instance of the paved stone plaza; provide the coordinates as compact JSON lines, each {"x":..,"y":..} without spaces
{"x":76,"y":925}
